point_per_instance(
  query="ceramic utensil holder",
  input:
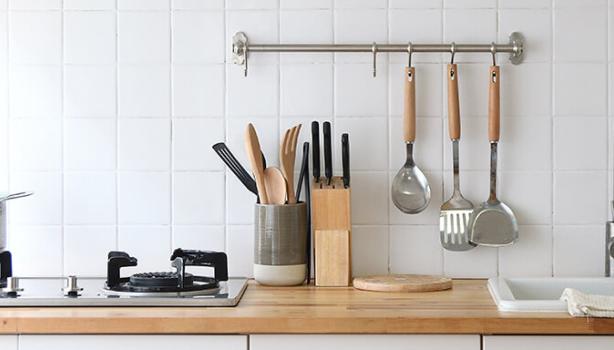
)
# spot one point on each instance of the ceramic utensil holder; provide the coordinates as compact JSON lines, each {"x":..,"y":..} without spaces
{"x":332,"y":230}
{"x":280,"y":255}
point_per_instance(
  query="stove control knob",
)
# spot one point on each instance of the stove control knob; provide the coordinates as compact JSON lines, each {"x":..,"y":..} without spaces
{"x":71,"y":289}
{"x":12,"y":286}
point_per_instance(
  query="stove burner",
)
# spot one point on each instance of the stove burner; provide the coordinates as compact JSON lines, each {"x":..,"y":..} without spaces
{"x":172,"y":283}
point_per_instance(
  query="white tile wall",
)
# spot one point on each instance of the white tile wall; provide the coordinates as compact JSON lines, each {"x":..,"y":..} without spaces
{"x":109,"y":108}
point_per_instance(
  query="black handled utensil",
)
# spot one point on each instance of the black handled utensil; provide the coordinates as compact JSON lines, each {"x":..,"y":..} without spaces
{"x":233,"y":164}
{"x":304,"y":174}
{"x":328,"y":155}
{"x":345,"y":158}
{"x":315,"y":141}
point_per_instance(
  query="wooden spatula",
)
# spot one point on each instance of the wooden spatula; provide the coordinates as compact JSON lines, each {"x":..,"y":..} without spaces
{"x":254,"y":154}
{"x":275,"y":185}
{"x":287,"y":155}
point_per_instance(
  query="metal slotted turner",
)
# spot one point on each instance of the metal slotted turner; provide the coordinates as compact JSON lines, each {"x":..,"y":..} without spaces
{"x":456,"y":212}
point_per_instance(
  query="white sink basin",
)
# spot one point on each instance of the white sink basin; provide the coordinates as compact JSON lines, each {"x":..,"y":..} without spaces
{"x":542,"y":294}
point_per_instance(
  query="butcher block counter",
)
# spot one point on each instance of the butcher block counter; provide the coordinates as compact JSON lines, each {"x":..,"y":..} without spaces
{"x":466,"y":309}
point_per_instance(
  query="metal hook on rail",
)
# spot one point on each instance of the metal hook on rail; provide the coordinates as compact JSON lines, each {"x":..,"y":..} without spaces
{"x":410,"y":50}
{"x":374,"y":50}
{"x":493,"y":51}
{"x":452,"y":51}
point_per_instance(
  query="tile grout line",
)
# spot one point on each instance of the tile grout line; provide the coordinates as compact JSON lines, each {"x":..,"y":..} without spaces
{"x":171,"y":22}
{"x":552,"y":136}
{"x":117,"y":141}
{"x":62,"y":143}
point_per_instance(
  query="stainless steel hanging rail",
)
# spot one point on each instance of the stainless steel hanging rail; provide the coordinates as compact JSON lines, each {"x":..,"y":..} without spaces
{"x":241,"y":48}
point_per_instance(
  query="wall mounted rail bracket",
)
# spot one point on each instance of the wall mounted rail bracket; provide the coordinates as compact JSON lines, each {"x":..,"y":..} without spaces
{"x":241,"y":48}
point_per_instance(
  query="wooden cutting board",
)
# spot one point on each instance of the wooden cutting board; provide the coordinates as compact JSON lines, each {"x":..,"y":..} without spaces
{"x":403,"y":283}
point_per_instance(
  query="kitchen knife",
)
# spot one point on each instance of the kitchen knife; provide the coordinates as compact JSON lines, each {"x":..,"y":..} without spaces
{"x":328,"y":155}
{"x":345,"y":158}
{"x":315,"y":141}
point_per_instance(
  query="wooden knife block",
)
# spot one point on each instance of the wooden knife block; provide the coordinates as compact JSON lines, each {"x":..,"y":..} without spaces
{"x":332,"y":232}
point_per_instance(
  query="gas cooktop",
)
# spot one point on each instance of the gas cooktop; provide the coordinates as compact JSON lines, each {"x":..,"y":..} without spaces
{"x":161,"y":288}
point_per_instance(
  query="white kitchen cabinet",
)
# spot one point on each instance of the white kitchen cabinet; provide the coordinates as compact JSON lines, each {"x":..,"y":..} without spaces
{"x":554,"y":342}
{"x":132,"y":342}
{"x":364,"y":342}
{"x":8,"y":342}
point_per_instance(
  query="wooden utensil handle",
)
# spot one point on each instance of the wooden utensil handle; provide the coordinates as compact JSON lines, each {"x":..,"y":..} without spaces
{"x":409,"y":111}
{"x":493,"y":104}
{"x":454,"y":127}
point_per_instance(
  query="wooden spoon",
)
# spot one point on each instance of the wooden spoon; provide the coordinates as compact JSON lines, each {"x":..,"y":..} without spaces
{"x":275,"y":184}
{"x":254,"y":154}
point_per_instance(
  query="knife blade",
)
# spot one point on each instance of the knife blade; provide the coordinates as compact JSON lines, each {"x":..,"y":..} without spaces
{"x":345,"y":158}
{"x":315,"y":141}
{"x":328,"y":155}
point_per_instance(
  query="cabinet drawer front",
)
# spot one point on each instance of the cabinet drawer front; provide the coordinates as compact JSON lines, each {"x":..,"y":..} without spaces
{"x":563,"y":342}
{"x":365,"y":342}
{"x":132,"y":342}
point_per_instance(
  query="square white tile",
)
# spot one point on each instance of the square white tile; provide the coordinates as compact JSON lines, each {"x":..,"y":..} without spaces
{"x":370,"y":100}
{"x":89,"y":4}
{"x":35,"y":4}
{"x":197,"y":4}
{"x":198,"y":198}
{"x":261,"y":26}
{"x":483,"y":28}
{"x":580,"y":198}
{"x":588,"y":154}
{"x":144,"y":91}
{"x":415,"y":249}
{"x":198,"y":37}
{"x":35,"y":91}
{"x":35,"y":37}
{"x":292,"y":31}
{"x":239,"y":243}
{"x":144,"y":37}
{"x":585,"y":26}
{"x":89,"y":262}
{"x":526,"y":144}
{"x":89,"y":37}
{"x":479,"y":262}
{"x":42,"y":242}
{"x":140,"y":150}
{"x":152,"y":257}
{"x":535,"y":24}
{"x":199,"y":237}
{"x":239,"y":201}
{"x":430,"y":215}
{"x":428,"y":150}
{"x":89,"y":144}
{"x":301,"y":4}
{"x":520,"y":95}
{"x":530,"y":256}
{"x":4,"y":39}
{"x":90,"y":198}
{"x":35,"y":144}
{"x":579,"y":251}
{"x":363,"y":155}
{"x":306,"y":90}
{"x":198,"y":90}
{"x":369,"y":198}
{"x":417,"y":26}
{"x":44,"y":207}
{"x":251,"y":5}
{"x":528,"y":194}
{"x":369,"y":250}
{"x":429,"y":89}
{"x":256,"y":95}
{"x":580,"y":89}
{"x":144,"y":198}
{"x":90,"y":91}
{"x":415,"y":4}
{"x":143,"y":4}
{"x":192,"y":144}
{"x":358,"y":26}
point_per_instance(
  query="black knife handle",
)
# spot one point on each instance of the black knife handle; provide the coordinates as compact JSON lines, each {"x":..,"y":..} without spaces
{"x":345,"y":157}
{"x":315,"y":141}
{"x":328,"y":155}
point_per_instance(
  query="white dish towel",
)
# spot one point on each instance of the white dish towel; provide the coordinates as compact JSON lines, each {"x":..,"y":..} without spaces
{"x":582,"y":304}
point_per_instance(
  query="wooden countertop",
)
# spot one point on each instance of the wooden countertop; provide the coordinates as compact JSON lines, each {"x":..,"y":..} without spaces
{"x":467,"y":308}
